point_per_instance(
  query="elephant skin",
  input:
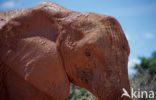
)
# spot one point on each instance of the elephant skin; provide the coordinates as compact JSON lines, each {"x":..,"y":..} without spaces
{"x":45,"y":48}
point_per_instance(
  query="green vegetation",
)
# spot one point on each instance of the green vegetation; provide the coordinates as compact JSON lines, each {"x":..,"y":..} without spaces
{"x":77,"y":93}
{"x":145,"y":78}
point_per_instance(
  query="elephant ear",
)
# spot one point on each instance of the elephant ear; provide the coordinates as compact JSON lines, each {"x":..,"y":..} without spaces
{"x":28,"y":47}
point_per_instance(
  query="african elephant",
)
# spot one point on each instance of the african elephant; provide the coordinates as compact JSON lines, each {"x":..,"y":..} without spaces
{"x":45,"y":48}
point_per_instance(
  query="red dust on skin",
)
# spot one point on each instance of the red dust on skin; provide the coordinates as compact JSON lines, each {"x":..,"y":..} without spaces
{"x":44,"y":48}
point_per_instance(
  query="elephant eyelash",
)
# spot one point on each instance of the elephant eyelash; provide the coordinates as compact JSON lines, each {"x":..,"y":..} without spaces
{"x":87,"y":54}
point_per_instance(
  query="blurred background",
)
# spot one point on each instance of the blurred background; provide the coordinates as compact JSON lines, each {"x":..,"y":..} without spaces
{"x":138,"y":20}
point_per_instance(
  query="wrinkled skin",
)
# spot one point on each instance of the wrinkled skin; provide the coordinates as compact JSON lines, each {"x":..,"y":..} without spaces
{"x":44,"y":48}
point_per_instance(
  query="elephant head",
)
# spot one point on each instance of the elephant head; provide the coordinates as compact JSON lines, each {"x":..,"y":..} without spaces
{"x":95,"y":53}
{"x":50,"y":46}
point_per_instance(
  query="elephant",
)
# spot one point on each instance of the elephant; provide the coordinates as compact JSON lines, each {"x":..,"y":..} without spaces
{"x":46,"y":47}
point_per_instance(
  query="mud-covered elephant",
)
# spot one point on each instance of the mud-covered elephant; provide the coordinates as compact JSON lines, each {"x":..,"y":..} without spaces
{"x":45,"y":48}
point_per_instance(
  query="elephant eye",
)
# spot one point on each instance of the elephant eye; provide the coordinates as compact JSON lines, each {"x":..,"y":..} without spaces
{"x":87,"y":54}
